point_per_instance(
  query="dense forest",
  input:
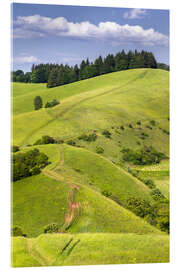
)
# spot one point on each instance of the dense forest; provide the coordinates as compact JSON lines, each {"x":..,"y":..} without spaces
{"x":56,"y":75}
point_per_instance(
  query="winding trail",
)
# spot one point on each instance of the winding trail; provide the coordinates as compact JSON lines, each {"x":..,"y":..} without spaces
{"x":73,"y":208}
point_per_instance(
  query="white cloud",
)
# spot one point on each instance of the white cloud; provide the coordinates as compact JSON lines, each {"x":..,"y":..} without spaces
{"x":25,"y":59}
{"x":38,"y":26}
{"x":135,"y":13}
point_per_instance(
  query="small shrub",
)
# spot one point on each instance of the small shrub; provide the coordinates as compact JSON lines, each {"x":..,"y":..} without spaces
{"x":156,"y":194}
{"x":106,"y":193}
{"x":91,"y":182}
{"x":163,"y":223}
{"x":16,"y":231}
{"x":138,"y":123}
{"x":71,"y":142}
{"x":148,"y":182}
{"x":106,"y":133}
{"x":45,"y":140}
{"x":99,"y":150}
{"x":14,"y":148}
{"x":165,"y":131}
{"x":147,"y":126}
{"x":59,"y":141}
{"x":130,"y":126}
{"x":52,"y":103}
{"x":122,"y":127}
{"x":143,"y":135}
{"x":139,"y":206}
{"x":152,"y":122}
{"x":51,"y":228}
{"x":88,"y":138}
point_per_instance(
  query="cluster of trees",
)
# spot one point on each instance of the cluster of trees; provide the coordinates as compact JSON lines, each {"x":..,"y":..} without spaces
{"x":20,"y":76}
{"x":56,"y":75}
{"x":146,"y":156}
{"x":28,"y":164}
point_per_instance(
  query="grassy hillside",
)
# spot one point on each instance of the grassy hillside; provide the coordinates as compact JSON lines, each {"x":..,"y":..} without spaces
{"x":23,"y":94}
{"x":86,"y":187}
{"x":123,"y":98}
{"x":43,"y":199}
{"x":89,"y":249}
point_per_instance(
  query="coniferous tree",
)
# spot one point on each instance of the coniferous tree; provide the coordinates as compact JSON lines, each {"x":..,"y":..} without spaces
{"x":38,"y":103}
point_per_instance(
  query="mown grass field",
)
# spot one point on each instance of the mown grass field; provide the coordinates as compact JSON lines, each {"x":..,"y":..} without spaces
{"x":89,"y":249}
{"x":101,"y":231}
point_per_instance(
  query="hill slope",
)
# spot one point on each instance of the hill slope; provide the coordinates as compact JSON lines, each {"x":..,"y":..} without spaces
{"x":43,"y":199}
{"x":89,"y":249}
{"x":98,"y":119}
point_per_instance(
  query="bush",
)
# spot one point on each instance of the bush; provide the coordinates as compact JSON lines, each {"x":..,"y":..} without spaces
{"x":14,"y":148}
{"x":59,"y":141}
{"x":122,"y":127}
{"x":16,"y":231}
{"x":51,"y":228}
{"x":71,"y":142}
{"x":147,"y":126}
{"x":152,"y":122}
{"x":149,"y":183}
{"x":38,"y":103}
{"x":156,"y":194}
{"x":99,"y":150}
{"x":106,"y":193}
{"x":52,"y":103}
{"x":130,"y":126}
{"x":138,"y":123}
{"x":107,"y":134}
{"x":139,"y":206}
{"x":88,"y":138}
{"x":45,"y":140}
{"x":165,"y":131}
{"x":143,"y":135}
{"x":163,"y":223}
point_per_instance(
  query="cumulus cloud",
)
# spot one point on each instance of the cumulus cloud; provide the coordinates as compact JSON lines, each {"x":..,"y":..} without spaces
{"x":25,"y":59}
{"x":38,"y":26}
{"x":135,"y":13}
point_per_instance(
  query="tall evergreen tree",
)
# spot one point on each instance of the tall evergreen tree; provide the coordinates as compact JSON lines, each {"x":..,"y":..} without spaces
{"x":38,"y":103}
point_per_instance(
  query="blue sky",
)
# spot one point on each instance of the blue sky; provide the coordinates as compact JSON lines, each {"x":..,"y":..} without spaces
{"x":68,"y":34}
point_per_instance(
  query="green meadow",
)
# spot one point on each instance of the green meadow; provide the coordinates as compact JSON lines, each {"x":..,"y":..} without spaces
{"x":84,"y":190}
{"x":89,"y":249}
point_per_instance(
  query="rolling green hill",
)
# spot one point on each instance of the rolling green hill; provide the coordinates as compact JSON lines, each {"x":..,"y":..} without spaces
{"x":43,"y":199}
{"x":120,"y":110}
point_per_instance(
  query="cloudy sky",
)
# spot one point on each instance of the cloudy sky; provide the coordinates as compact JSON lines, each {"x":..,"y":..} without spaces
{"x":68,"y":34}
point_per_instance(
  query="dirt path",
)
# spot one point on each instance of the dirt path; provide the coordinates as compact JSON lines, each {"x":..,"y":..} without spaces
{"x":73,"y":208}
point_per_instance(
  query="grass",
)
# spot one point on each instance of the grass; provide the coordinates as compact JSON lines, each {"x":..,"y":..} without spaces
{"x":91,"y":249}
{"x":159,"y":173}
{"x":132,"y":98}
{"x":38,"y":201}
{"x":103,"y":232}
{"x":41,"y":200}
{"x":23,"y":94}
{"x":104,"y":174}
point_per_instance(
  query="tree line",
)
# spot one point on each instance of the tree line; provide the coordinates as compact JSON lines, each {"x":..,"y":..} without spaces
{"x":56,"y":75}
